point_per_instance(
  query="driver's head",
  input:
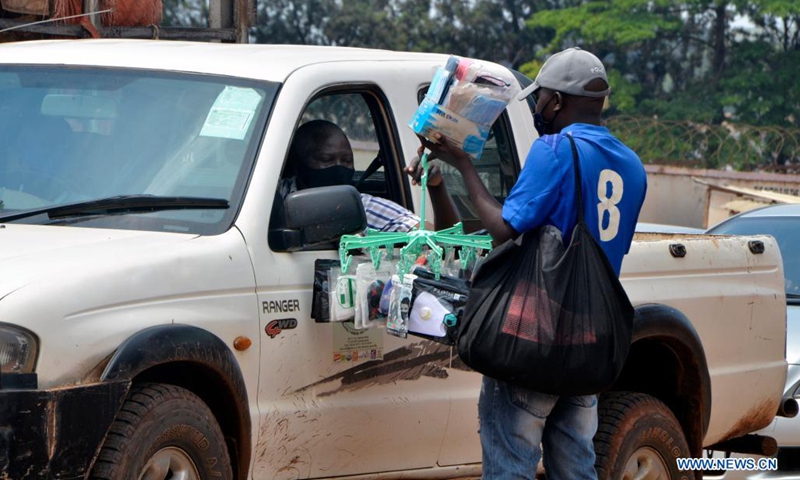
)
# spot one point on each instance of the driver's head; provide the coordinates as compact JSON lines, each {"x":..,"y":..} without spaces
{"x":321,"y":156}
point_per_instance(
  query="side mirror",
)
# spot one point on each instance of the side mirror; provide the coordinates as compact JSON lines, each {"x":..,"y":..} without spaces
{"x":317,"y":216}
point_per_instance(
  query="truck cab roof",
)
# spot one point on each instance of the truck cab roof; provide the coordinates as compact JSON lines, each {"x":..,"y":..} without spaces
{"x":259,"y":62}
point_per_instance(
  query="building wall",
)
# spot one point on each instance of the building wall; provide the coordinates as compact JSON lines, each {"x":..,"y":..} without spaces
{"x":674,"y":198}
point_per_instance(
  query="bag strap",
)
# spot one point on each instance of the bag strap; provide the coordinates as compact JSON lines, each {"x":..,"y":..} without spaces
{"x":577,"y":166}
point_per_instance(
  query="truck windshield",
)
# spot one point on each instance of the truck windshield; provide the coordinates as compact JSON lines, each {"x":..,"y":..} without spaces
{"x":72,"y":135}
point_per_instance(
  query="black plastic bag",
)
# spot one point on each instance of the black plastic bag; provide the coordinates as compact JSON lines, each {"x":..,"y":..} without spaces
{"x":547,"y":317}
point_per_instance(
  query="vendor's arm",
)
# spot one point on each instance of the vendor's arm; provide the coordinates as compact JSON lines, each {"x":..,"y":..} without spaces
{"x":445,"y":213}
{"x":488,"y":208}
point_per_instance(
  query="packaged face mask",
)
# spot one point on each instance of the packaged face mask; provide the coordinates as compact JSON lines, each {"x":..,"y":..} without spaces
{"x":385,"y":298}
{"x":370,"y":285}
{"x":358,"y":321}
{"x":428,"y":316}
{"x":400,"y":305}
{"x":450,"y":266}
{"x":436,"y":306}
{"x":320,"y":304}
{"x":342,"y":297}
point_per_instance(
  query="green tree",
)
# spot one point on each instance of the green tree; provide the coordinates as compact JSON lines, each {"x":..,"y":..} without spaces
{"x":488,"y":29}
{"x":300,"y":22}
{"x":185,"y":13}
{"x":705,"y":60}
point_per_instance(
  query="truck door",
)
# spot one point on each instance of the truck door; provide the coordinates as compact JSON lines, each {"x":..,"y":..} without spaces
{"x":333,"y":400}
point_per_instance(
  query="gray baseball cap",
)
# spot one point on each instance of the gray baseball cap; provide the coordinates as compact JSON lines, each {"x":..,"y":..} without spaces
{"x":569,"y":71}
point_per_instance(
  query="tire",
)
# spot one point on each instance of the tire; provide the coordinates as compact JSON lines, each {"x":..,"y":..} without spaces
{"x":638,"y":437}
{"x":163,"y":424}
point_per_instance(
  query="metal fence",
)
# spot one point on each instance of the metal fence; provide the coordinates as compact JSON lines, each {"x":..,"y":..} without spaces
{"x":725,"y":146}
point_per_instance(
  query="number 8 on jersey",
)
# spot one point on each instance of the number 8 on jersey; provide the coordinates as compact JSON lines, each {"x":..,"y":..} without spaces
{"x":609,"y":203}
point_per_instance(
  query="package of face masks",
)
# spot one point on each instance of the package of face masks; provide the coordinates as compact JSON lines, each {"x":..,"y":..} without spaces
{"x":436,"y":306}
{"x":464,"y":100}
{"x":342,"y":295}
{"x":400,"y":305}
{"x":320,"y":300}
{"x":370,"y":285}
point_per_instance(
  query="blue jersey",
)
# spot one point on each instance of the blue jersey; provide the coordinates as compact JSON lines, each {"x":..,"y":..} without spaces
{"x":613,"y":188}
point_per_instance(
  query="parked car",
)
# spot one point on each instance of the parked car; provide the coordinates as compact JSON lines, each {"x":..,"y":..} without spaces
{"x":783,"y":223}
{"x":644,"y":227}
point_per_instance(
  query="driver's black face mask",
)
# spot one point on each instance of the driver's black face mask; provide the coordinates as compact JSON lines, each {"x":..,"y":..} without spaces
{"x":326,"y":177}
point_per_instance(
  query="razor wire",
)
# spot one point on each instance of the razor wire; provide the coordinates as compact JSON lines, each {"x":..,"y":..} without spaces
{"x":727,"y":146}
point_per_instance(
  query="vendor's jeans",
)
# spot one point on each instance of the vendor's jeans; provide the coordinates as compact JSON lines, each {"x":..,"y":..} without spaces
{"x":513,"y":423}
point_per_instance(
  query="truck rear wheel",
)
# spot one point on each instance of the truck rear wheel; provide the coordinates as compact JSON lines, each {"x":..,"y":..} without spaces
{"x":163,"y":431}
{"x":639,"y":438}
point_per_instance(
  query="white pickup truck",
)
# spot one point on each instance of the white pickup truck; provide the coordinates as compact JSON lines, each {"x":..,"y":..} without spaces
{"x":155,"y":322}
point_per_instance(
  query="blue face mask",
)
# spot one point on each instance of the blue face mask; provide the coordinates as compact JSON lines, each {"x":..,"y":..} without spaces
{"x":542,"y":126}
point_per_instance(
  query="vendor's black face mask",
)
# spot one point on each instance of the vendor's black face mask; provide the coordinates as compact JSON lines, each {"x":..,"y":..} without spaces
{"x":542,"y":126}
{"x":326,"y":177}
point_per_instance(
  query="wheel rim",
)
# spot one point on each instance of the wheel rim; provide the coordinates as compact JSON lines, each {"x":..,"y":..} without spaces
{"x":172,"y":463}
{"x":646,"y":464}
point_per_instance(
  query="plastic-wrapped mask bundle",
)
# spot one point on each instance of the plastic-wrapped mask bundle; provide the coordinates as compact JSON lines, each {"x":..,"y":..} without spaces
{"x":370,"y":284}
{"x":400,"y":305}
{"x":342,"y":295}
{"x":464,"y":100}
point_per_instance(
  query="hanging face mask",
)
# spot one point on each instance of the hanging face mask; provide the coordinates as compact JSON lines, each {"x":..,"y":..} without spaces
{"x":327,"y":177}
{"x":542,"y":126}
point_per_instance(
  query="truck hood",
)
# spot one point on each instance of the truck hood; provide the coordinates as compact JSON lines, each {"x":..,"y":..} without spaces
{"x":90,"y":289}
{"x":35,"y":253}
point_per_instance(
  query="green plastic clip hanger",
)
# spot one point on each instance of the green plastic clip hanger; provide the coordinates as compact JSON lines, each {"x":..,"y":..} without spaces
{"x":416,"y":241}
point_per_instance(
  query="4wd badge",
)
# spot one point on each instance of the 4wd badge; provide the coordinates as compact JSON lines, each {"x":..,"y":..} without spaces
{"x":275,"y":327}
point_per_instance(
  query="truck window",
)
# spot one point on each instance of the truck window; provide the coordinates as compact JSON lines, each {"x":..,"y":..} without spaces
{"x":362,"y":114}
{"x":351,"y":113}
{"x":359,"y":115}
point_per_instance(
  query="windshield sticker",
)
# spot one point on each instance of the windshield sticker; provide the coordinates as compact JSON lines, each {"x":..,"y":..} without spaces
{"x":352,"y":345}
{"x":232,"y":113}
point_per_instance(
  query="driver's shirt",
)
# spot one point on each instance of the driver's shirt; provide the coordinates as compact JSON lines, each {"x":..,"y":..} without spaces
{"x":382,"y":214}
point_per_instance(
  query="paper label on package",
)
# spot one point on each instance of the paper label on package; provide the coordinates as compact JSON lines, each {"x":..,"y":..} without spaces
{"x":351,"y":345}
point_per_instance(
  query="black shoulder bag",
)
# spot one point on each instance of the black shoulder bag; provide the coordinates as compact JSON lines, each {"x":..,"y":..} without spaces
{"x":548,"y":317}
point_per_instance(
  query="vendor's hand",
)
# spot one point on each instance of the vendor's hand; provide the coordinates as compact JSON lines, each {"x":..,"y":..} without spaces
{"x":446,"y":151}
{"x":414,"y":170}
